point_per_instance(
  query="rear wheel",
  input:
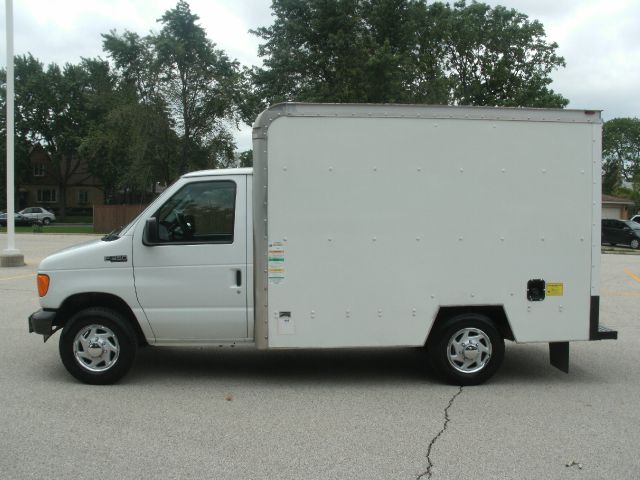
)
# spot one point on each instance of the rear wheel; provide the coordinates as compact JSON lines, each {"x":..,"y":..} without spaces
{"x":466,"y":349}
{"x":97,"y":346}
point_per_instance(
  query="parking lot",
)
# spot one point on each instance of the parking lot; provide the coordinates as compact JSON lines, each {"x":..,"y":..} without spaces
{"x":353,"y":414}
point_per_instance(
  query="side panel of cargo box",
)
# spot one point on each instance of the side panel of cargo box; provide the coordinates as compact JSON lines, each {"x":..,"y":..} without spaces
{"x":369,"y":219}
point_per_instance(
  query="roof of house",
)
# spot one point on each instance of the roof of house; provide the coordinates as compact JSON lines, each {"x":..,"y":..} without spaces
{"x":618,"y":200}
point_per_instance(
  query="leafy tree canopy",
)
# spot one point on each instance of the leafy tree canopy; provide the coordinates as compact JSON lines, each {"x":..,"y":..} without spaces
{"x":621,"y":158}
{"x":182,"y":69}
{"x":621,"y":146}
{"x":405,"y":51}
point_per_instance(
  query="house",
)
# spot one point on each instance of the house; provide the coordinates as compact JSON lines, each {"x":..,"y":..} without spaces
{"x":616,"y":207}
{"x":49,"y":184}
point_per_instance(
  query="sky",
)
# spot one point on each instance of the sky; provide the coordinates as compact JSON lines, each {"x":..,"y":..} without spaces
{"x":599,"y":39}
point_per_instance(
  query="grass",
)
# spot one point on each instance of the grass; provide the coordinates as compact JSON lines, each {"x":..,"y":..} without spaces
{"x":75,"y":219}
{"x":53,"y":229}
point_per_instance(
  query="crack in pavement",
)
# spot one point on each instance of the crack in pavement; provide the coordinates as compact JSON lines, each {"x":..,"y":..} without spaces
{"x":427,"y":473}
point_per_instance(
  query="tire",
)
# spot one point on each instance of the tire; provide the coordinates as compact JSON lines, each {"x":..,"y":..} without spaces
{"x":98,"y":346}
{"x":46,"y":221}
{"x":635,"y":244}
{"x":474,"y":364}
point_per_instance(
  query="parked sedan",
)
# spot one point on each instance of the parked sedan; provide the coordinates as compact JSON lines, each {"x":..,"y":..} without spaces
{"x":621,"y":232}
{"x":39,"y":214}
{"x":18,"y":219}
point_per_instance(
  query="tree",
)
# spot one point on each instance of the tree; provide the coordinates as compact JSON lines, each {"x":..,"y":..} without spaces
{"x":136,"y":62}
{"x":179,"y":72}
{"x":314,"y":51}
{"x":132,"y":148}
{"x":55,"y":107}
{"x":21,"y":147}
{"x":496,"y":56}
{"x":199,"y":83}
{"x":611,"y":177}
{"x":621,"y":147}
{"x":135,"y":145}
{"x":405,"y":51}
{"x":246,"y":159}
{"x":621,"y":158}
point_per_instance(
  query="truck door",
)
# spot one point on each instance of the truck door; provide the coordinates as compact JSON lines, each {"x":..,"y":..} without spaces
{"x":192,"y":283}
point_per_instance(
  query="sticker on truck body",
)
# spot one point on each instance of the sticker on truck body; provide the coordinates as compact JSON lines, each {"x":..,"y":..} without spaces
{"x":555,"y":289}
{"x":285,"y":324}
{"x":276,"y":263}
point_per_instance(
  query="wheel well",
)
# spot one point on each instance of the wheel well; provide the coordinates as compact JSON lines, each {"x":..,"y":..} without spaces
{"x":494,"y":312}
{"x":80,"y":301}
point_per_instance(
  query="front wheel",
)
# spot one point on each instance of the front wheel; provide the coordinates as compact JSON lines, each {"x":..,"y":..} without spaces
{"x":466,"y":349}
{"x":635,"y":244}
{"x":97,"y":346}
{"x":46,"y":221}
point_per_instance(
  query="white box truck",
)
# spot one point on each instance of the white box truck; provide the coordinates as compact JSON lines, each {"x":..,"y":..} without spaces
{"x":452,"y":228}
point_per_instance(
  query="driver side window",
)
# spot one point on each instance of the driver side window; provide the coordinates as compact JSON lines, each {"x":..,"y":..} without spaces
{"x":200,"y":212}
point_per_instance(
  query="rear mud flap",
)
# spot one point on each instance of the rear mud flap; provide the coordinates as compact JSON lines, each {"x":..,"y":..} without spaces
{"x":559,"y":355}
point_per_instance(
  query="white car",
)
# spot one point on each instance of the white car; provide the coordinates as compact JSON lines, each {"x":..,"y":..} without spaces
{"x":39,"y":214}
{"x":635,"y":218}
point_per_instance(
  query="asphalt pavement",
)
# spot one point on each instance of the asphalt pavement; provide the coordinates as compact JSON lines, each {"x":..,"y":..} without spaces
{"x":354,"y":414}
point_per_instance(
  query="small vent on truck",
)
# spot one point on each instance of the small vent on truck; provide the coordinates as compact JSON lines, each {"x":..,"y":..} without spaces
{"x":536,"y":290}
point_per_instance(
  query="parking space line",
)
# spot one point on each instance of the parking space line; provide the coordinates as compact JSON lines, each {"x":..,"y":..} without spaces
{"x":635,"y":277}
{"x":18,"y":276}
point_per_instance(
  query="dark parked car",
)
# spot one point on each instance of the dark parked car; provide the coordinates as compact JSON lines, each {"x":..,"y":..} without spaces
{"x":621,"y":232}
{"x":19,"y":220}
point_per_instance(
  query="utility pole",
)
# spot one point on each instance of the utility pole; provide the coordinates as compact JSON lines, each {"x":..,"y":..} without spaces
{"x":11,"y":256}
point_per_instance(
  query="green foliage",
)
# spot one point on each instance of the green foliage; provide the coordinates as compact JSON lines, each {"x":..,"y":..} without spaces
{"x":621,"y":158}
{"x":621,"y":148}
{"x":21,"y":148}
{"x":404,"y":51}
{"x":180,"y":73}
{"x":199,"y":83}
{"x":611,"y":177}
{"x":132,"y":147}
{"x":496,"y":56}
{"x":246,"y":159}
{"x":55,"y":107}
{"x":136,"y":61}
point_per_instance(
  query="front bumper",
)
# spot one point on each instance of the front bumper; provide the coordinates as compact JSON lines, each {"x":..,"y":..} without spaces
{"x":42,"y":322}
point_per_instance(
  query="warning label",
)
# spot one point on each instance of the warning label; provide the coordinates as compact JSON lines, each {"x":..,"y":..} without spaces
{"x":276,"y":262}
{"x":555,"y":289}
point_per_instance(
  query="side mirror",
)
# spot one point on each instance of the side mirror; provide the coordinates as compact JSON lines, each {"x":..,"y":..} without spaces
{"x":150,"y":235}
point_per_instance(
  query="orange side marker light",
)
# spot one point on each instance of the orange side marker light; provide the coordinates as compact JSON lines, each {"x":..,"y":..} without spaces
{"x":43,"y":284}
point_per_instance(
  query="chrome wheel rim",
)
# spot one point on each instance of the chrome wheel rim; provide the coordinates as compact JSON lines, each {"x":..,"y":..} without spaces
{"x":635,"y":244}
{"x":469,"y":350}
{"x":96,"y":348}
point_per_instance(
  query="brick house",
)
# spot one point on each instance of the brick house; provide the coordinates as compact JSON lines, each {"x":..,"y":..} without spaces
{"x":49,"y":184}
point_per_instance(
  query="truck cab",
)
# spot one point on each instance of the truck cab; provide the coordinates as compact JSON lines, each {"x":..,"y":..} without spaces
{"x":182,"y":271}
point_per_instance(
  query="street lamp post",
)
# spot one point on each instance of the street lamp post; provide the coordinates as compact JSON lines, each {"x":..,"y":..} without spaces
{"x":11,"y":256}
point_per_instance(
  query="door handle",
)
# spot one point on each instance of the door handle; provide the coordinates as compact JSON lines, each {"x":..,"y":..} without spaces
{"x":238,"y":278}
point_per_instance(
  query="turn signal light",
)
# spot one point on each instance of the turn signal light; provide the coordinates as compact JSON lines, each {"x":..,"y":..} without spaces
{"x":43,"y":284}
